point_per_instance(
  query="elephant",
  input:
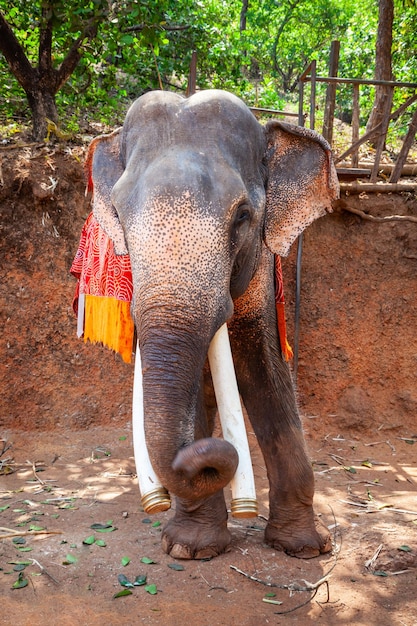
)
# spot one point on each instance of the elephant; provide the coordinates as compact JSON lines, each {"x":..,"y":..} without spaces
{"x":202,"y":196}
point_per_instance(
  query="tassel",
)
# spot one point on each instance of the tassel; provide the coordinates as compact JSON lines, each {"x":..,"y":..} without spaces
{"x":286,"y":349}
{"x":108,"y":321}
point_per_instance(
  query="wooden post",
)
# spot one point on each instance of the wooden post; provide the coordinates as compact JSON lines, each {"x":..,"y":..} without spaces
{"x":313,"y":95}
{"x":411,"y":133}
{"x":331,"y":93}
{"x":355,"y":124}
{"x":383,"y":134}
{"x":192,"y":77}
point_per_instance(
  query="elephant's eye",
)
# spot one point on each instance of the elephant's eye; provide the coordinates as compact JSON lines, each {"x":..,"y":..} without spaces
{"x":242,"y":214}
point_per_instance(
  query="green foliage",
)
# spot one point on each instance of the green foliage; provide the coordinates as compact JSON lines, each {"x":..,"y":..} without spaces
{"x":143,"y":45}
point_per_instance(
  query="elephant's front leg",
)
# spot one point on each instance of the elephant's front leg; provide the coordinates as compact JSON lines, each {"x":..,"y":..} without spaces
{"x":267,"y":391}
{"x":198,"y":529}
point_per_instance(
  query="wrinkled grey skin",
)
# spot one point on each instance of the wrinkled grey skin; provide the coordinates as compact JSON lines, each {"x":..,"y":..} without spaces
{"x":202,"y":196}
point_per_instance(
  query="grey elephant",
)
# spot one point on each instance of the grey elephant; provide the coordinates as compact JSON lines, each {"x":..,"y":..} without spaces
{"x":202,"y":197}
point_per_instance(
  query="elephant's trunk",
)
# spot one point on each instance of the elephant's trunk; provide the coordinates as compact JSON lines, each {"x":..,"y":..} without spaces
{"x":188,"y":463}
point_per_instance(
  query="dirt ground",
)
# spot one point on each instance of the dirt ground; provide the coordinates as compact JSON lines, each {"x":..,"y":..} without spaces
{"x":65,"y":413}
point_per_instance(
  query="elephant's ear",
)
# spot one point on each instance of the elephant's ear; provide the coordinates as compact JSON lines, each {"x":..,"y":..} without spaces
{"x":302,"y":182}
{"x":104,"y":168}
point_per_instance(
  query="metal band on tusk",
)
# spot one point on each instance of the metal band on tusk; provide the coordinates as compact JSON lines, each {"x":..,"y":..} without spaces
{"x":155,"y":498}
{"x":244,"y":502}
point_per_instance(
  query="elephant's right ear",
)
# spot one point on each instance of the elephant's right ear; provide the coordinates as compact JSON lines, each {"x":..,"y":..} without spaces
{"x":104,"y":168}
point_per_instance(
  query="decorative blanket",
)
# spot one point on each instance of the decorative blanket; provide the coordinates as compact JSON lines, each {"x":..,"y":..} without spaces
{"x":104,"y":292}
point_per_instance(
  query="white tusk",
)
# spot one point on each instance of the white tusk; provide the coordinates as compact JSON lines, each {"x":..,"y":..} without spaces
{"x":244,"y":502}
{"x":155,"y":497}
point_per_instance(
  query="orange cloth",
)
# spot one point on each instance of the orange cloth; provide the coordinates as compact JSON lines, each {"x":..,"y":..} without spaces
{"x":286,"y":349}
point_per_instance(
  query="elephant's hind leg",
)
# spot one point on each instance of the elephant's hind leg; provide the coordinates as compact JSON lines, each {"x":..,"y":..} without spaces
{"x":198,"y":530}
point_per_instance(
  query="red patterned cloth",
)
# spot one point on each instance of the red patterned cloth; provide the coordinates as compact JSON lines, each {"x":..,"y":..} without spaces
{"x":104,"y":291}
{"x":99,"y":271}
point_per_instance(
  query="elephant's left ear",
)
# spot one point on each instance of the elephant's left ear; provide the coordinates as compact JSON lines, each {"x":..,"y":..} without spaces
{"x":302,"y":182}
{"x":104,"y":168}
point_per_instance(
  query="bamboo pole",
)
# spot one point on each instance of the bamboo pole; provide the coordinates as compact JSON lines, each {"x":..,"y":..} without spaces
{"x":377,"y":187}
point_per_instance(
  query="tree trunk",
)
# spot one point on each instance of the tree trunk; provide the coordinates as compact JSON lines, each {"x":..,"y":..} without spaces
{"x":383,"y":67}
{"x":43,"y":107}
{"x":41,"y":83}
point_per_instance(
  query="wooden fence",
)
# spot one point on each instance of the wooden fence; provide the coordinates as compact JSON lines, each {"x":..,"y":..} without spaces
{"x":354,"y":169}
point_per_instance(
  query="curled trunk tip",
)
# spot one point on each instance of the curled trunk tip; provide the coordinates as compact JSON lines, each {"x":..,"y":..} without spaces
{"x":208,"y":464}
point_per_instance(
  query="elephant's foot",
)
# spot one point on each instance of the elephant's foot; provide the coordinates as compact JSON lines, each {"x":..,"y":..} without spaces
{"x":298,"y":538}
{"x":197,"y":531}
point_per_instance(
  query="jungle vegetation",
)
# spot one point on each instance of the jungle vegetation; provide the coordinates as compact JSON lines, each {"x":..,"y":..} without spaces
{"x":77,"y":60}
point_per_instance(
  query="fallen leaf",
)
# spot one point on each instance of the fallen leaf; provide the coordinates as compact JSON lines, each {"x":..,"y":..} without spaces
{"x":70,"y":559}
{"x":124,"y":592}
{"x":147,"y":560}
{"x":124,"y":581}
{"x":88,"y":541}
{"x":20,"y":582}
{"x":176,"y":566}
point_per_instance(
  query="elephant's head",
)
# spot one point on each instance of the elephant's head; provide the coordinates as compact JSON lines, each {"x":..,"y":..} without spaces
{"x":193,"y":189}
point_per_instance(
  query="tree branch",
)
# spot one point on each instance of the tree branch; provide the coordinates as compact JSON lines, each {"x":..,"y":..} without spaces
{"x":14,"y":54}
{"x":374,"y":218}
{"x":74,"y":55}
{"x":140,"y":27}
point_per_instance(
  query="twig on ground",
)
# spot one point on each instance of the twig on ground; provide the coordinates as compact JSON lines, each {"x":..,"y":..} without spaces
{"x":294,"y":586}
{"x":374,"y":507}
{"x":44,"y":571}
{"x":33,"y":465}
{"x":9,"y":532}
{"x":369,"y":564}
{"x":377,"y":443}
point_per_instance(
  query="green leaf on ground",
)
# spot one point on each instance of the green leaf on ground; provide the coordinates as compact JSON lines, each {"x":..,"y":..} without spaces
{"x":124,"y":592}
{"x":70,"y":559}
{"x":20,"y":582}
{"x":176,"y":566}
{"x":124,"y":581}
{"x":101,"y":543}
{"x":19,"y":567}
{"x":19,"y":541}
{"x":405,"y":548}
{"x":103,"y":528}
{"x":152,"y":589}
{"x":147,"y":560}
{"x":125,"y":561}
{"x":140,"y":580}
{"x":88,"y":541}
{"x":3,"y":508}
